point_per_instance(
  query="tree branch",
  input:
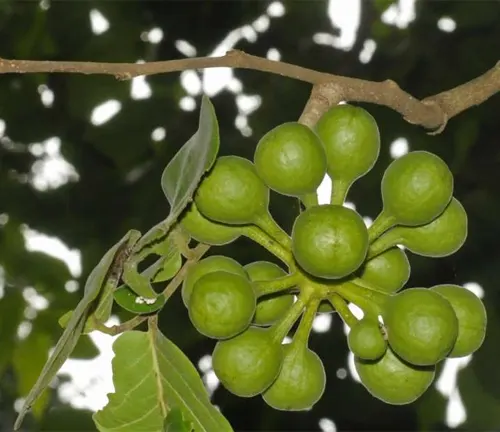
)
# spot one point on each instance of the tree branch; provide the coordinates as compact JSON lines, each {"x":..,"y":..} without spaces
{"x":432,"y":112}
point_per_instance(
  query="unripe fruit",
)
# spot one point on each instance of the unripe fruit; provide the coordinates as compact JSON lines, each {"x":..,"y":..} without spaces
{"x":249,"y":363}
{"x":207,"y":265}
{"x":271,"y":307}
{"x":300,"y":383}
{"x":329,"y":241}
{"x":472,"y":318}
{"x":416,"y":188}
{"x":421,"y":325}
{"x":232,"y":192}
{"x":388,"y":271}
{"x":206,"y":231}
{"x":442,"y":237}
{"x":291,"y":159}
{"x":394,"y":381}
{"x":222,"y":304}
{"x":352,"y":143}
{"x":366,"y":340}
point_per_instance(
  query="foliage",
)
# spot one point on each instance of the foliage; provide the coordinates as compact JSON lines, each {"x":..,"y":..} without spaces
{"x":119,"y":166}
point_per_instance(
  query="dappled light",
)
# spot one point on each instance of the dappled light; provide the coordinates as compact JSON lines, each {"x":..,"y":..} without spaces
{"x":104,"y":112}
{"x":327,"y":425}
{"x":184,"y":47}
{"x":98,"y":22}
{"x":399,"y":147}
{"x":447,"y":24}
{"x":322,"y":323}
{"x":400,"y":14}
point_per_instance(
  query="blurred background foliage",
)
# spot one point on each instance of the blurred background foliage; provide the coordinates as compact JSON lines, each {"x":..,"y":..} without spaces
{"x":66,"y":174}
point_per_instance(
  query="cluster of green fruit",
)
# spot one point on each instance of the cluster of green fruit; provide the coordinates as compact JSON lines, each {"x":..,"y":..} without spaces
{"x":332,"y":258}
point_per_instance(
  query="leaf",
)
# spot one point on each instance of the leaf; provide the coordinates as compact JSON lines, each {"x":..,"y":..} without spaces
{"x":170,"y":265}
{"x":175,"y":422}
{"x":182,"y":175}
{"x":151,"y":375}
{"x":28,"y":357}
{"x":130,"y":301}
{"x":76,"y":324}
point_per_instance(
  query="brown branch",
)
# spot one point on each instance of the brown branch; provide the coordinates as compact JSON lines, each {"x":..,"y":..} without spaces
{"x":432,"y":112}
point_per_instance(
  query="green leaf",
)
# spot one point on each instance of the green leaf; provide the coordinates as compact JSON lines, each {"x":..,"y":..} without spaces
{"x":76,"y":324}
{"x":182,"y":175}
{"x":130,"y":301}
{"x":151,"y":375}
{"x":170,"y":265}
{"x":175,"y":422}
{"x":29,"y":357}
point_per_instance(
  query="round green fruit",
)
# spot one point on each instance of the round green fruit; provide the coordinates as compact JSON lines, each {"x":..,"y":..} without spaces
{"x":300,"y":383}
{"x":422,"y":326}
{"x":394,"y":381}
{"x":222,"y":304}
{"x":352,"y":142}
{"x":206,"y":231}
{"x":366,"y":340}
{"x":472,"y":318}
{"x":416,"y":188}
{"x":208,"y":265}
{"x":388,"y":271}
{"x":329,"y":241}
{"x":270,"y":308}
{"x":291,"y":159}
{"x":249,"y":363}
{"x":232,"y":192}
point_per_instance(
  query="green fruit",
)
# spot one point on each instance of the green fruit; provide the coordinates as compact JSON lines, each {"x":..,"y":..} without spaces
{"x":206,"y":231}
{"x":232,"y":192}
{"x":291,"y":159}
{"x":325,"y":307}
{"x":366,"y":340}
{"x":208,"y":265}
{"x":329,"y":241}
{"x":472,"y":318}
{"x":388,"y":271}
{"x":421,"y":325}
{"x":222,"y":304}
{"x":352,"y":143}
{"x":271,"y":307}
{"x":416,"y":188}
{"x":439,"y":238}
{"x":394,"y":381}
{"x":300,"y":383}
{"x":249,"y":363}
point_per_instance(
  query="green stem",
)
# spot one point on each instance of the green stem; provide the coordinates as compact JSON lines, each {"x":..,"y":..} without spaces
{"x":266,"y":287}
{"x":339,"y":191}
{"x":388,"y":240}
{"x":267,"y":224}
{"x":370,"y":301}
{"x":195,"y":253}
{"x":368,"y":285}
{"x":381,"y":224}
{"x":301,"y":336}
{"x":258,"y":236}
{"x":120,"y":328}
{"x":310,"y":200}
{"x":342,"y":308}
{"x":281,"y":328}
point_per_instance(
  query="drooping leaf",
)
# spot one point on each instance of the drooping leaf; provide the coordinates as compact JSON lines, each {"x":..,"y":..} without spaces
{"x":76,"y":324}
{"x":151,"y":375}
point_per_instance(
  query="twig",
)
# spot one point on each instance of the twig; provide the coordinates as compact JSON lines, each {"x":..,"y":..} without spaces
{"x":432,"y":112}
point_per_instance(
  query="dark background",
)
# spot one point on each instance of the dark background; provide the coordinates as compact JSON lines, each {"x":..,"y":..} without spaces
{"x":92,"y":213}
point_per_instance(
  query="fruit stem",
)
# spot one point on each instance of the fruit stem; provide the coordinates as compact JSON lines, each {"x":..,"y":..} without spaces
{"x":370,"y":301}
{"x":267,"y":224}
{"x":266,"y":287}
{"x":310,"y":199}
{"x":281,"y":328}
{"x":302,"y":334}
{"x":258,"y":236}
{"x":381,"y":224}
{"x":339,"y":191}
{"x":386,"y":241}
{"x":342,"y":308}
